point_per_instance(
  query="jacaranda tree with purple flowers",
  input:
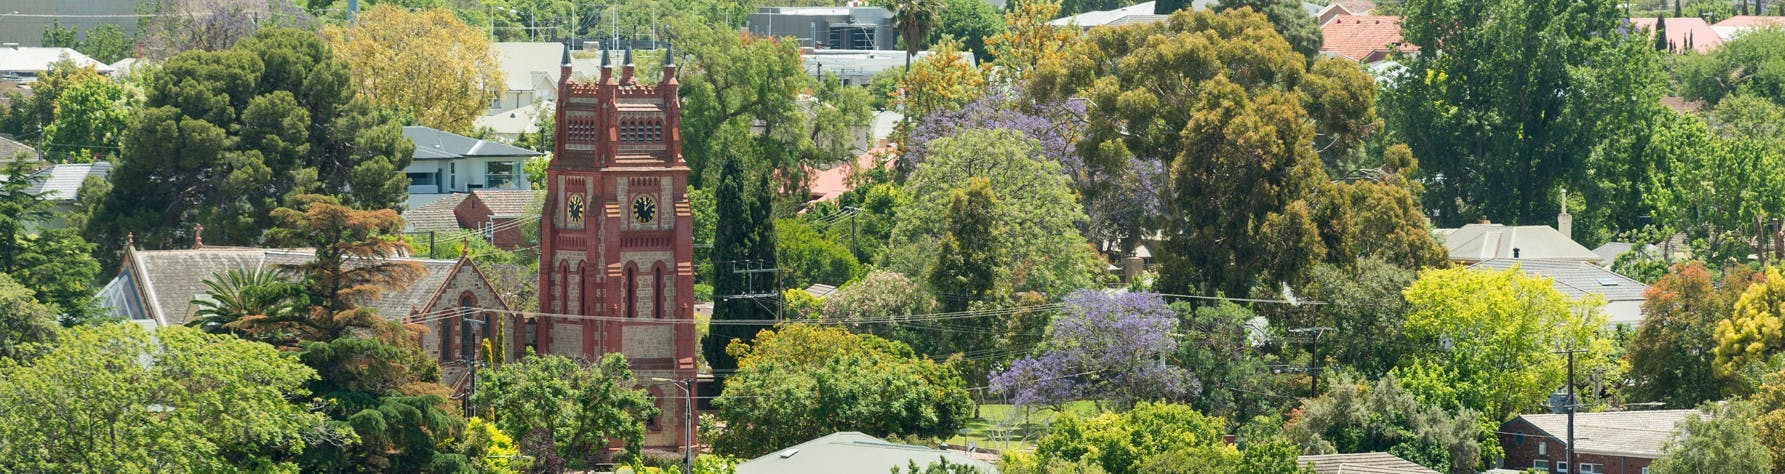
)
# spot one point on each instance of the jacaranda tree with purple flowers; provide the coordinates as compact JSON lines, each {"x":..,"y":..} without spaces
{"x":1106,"y":346}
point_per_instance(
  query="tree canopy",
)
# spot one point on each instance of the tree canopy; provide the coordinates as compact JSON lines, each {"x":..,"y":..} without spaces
{"x":227,"y":136}
{"x":427,"y":63}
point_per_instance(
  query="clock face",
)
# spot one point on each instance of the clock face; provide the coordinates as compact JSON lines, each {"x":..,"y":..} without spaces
{"x":574,"y":208}
{"x":644,"y":209}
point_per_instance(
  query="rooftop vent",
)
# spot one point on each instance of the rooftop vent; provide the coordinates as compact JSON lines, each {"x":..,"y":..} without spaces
{"x":788,"y":453}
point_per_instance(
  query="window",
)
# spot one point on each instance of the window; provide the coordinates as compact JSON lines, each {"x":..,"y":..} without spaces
{"x":1543,"y":448}
{"x":657,"y":294}
{"x":421,"y":179}
{"x":500,"y":175}
{"x":1586,"y":468}
{"x":631,"y":292}
{"x":1541,"y":465}
{"x":1562,"y":467}
{"x":468,"y":312}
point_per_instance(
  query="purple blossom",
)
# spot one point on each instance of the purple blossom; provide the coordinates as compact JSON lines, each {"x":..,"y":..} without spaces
{"x":1056,"y":125}
{"x":1109,"y":346}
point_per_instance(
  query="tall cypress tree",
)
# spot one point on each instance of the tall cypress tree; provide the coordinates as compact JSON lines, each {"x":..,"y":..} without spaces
{"x":1661,"y":43}
{"x":744,"y":239}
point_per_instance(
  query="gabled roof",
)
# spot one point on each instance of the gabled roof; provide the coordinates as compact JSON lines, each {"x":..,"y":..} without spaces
{"x":1480,"y":242}
{"x":1576,"y":279}
{"x":514,"y":121}
{"x":10,"y":147}
{"x":168,"y":280}
{"x":434,"y":144}
{"x":435,"y":216}
{"x":508,"y":202}
{"x":850,"y":451}
{"x":1363,"y":38}
{"x":1361,"y":463}
{"x":1357,"y":7}
{"x":520,"y":60}
{"x":37,"y":60}
{"x":63,"y":182}
{"x":1638,"y":434}
{"x":1682,"y":31}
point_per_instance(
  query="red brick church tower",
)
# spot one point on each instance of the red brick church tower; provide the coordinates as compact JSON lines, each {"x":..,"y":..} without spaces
{"x":616,"y":245}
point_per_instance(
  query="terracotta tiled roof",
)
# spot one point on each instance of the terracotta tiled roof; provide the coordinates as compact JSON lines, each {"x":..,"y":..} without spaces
{"x":508,"y":202}
{"x":1683,"y":31}
{"x":1363,"y":38}
{"x":1735,"y":25}
{"x":435,"y":216}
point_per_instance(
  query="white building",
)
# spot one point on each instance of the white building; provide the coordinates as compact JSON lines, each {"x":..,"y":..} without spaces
{"x":448,"y":163}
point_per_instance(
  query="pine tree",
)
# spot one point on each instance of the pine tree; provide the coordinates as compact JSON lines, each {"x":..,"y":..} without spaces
{"x":744,"y":238}
{"x":1661,"y":43}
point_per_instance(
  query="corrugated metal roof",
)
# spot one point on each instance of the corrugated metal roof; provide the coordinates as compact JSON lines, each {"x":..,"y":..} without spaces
{"x":1639,"y":434}
{"x":37,"y":60}
{"x":850,"y":451}
{"x":434,"y":144}
{"x":1481,"y":242}
{"x":63,"y":182}
{"x":1361,"y":463}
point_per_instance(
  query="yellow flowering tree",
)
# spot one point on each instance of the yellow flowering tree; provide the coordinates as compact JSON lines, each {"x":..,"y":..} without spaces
{"x":1755,"y":330}
{"x":426,"y":62}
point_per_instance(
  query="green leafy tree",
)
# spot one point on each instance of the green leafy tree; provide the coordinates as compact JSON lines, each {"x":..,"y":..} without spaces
{"x":1294,"y":23}
{"x":1746,"y":64}
{"x":26,"y":117}
{"x":869,"y":384}
{"x":1358,"y":416}
{"x":114,"y":398}
{"x":55,"y":264}
{"x":1037,"y":213}
{"x":1713,"y":189}
{"x":969,"y":22}
{"x":1671,"y":358}
{"x":227,"y":136}
{"x":426,"y":62}
{"x":1511,"y":100}
{"x":967,"y":256}
{"x":807,"y":257}
{"x":1128,"y":442}
{"x":1225,"y":122}
{"x":108,"y":44}
{"x":1486,"y":340}
{"x":88,"y":121}
{"x":23,"y":320}
{"x":940,"y":466}
{"x":1363,"y":303}
{"x":1769,"y":400}
{"x":1217,"y":347}
{"x":1717,"y":439}
{"x":570,"y":407}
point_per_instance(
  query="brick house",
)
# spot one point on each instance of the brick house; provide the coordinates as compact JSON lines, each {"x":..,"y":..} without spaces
{"x":501,"y":215}
{"x":157,"y":288}
{"x":1607,"y":442}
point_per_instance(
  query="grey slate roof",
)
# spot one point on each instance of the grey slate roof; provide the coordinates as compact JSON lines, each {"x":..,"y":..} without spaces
{"x":1478,"y":242}
{"x":1638,"y":434}
{"x":10,"y":147}
{"x":171,"y":279}
{"x":63,"y":182}
{"x":1361,"y":463}
{"x":434,"y":144}
{"x":435,"y":216}
{"x":509,"y":202}
{"x":1623,"y":295}
{"x":852,"y":452}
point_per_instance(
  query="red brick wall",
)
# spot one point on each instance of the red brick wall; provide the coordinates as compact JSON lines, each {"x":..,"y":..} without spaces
{"x":473,"y":215}
{"x":1521,"y":441}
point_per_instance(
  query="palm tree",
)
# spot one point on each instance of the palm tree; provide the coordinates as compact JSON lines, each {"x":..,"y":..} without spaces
{"x":249,"y":303}
{"x":913,"y":18}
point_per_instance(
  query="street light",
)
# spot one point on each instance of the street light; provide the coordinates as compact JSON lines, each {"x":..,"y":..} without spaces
{"x":687,"y":386}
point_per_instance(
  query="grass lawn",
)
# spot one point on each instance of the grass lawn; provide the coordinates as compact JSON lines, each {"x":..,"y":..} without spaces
{"x":1006,"y":427}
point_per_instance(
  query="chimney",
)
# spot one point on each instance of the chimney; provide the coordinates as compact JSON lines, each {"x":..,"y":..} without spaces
{"x":1485,"y":221}
{"x":1515,"y":252}
{"x":1565,"y":221}
{"x":198,"y":236}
